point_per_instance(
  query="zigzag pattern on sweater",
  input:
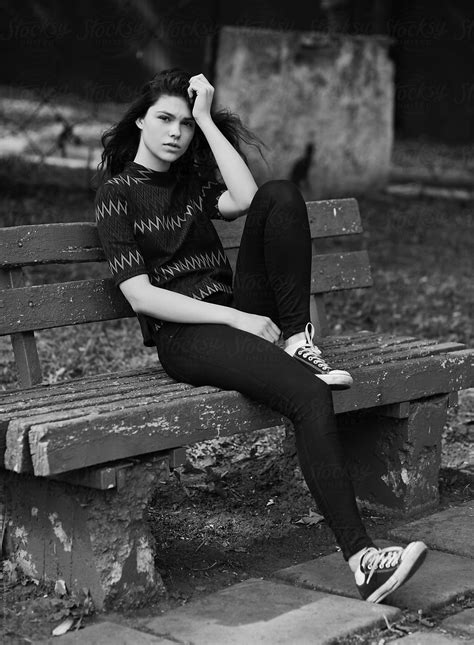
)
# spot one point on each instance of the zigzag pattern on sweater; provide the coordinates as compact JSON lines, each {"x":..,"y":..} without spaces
{"x":145,"y":176}
{"x":130,"y":259}
{"x":177,"y":221}
{"x":201,"y":261}
{"x":198,"y":202}
{"x":169,"y":223}
{"x":112,"y":208}
{"x":212,"y":288}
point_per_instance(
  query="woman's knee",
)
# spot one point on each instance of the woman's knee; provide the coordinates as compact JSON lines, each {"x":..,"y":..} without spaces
{"x":321,"y":403}
{"x":281,"y":190}
{"x":310,"y":401}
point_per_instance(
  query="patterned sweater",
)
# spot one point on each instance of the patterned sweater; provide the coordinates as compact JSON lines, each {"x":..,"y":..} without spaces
{"x":150,"y":224}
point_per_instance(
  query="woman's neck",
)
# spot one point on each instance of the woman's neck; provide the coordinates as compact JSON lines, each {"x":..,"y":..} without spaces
{"x":145,"y":158}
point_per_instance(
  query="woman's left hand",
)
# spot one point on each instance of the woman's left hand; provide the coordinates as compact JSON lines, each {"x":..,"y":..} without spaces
{"x":200,"y":87}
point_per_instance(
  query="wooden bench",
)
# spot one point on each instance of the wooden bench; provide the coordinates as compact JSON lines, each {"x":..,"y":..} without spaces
{"x":82,"y":457}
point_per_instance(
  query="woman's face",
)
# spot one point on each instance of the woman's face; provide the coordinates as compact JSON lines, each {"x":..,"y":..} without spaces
{"x":167,"y":130}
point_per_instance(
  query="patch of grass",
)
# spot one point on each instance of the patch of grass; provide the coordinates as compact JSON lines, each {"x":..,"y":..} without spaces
{"x":422,"y":270}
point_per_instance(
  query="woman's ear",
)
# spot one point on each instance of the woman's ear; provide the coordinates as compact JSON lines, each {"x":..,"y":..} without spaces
{"x":139,"y":122}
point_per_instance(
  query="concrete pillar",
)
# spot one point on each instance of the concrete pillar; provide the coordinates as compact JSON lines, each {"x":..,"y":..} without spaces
{"x":394,"y":462}
{"x":97,"y":540}
{"x":296,"y":88}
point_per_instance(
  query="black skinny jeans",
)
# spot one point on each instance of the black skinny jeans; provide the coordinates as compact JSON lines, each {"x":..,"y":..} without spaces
{"x":272,"y":278}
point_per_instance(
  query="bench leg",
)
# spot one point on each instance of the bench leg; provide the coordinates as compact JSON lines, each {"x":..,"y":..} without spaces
{"x":89,"y":538}
{"x":395,"y":462}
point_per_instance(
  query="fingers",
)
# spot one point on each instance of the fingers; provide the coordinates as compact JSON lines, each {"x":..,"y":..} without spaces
{"x":277,"y":330}
{"x":272,"y":332}
{"x":262,"y":326}
{"x":198,"y":83}
{"x":200,"y":77}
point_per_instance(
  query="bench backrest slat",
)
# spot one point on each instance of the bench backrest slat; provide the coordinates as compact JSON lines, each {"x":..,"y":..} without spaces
{"x":79,"y":242}
{"x":81,"y":301}
{"x":328,"y":218}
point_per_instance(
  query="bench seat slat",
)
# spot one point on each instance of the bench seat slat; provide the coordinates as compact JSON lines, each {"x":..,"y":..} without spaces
{"x":81,"y":301}
{"x":86,"y":386}
{"x":62,"y":445}
{"x":371,"y":356}
{"x":103,"y":399}
{"x":156,"y":378}
{"x":355,"y":352}
{"x":102,"y":394}
{"x":133,"y":429}
{"x":405,"y":354}
{"x":16,"y":449}
{"x":73,"y":385}
{"x":107,"y":400}
{"x":79,"y":241}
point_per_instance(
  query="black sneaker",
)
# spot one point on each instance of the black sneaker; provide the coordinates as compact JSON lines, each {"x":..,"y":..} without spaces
{"x":309,"y":355}
{"x":381,"y":571}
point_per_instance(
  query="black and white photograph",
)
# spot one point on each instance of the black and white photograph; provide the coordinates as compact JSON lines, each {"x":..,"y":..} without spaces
{"x":236,"y":322}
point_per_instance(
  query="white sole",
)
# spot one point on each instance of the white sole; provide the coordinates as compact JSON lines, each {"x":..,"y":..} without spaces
{"x":412,"y":558}
{"x":337,"y":379}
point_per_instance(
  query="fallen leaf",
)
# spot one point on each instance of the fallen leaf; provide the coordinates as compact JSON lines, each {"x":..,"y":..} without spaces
{"x":63,"y":627}
{"x":311,"y":519}
{"x":60,"y":588}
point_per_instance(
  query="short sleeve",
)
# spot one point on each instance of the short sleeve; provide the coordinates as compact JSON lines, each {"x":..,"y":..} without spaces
{"x":212,"y":190}
{"x":115,"y":227}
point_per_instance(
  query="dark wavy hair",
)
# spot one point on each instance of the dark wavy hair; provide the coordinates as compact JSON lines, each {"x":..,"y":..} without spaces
{"x":121,"y":141}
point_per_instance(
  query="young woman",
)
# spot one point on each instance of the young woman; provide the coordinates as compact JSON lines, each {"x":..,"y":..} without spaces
{"x":172,"y":164}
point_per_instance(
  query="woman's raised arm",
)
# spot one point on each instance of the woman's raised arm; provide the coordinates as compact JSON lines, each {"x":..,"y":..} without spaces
{"x":235,"y":172}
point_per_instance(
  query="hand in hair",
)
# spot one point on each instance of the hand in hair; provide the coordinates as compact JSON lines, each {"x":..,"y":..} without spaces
{"x":203,"y":93}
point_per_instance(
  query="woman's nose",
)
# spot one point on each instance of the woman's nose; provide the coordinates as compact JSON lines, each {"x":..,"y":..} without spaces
{"x":175,"y":130}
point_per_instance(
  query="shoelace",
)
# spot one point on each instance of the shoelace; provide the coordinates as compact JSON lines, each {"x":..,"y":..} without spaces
{"x":311,"y":351}
{"x":309,"y":335}
{"x":309,"y":354}
{"x":378,"y":559}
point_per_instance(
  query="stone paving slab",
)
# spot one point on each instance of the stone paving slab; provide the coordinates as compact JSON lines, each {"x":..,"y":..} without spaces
{"x":106,"y":633}
{"x":462,"y":623}
{"x":450,"y":530}
{"x":428,"y":638}
{"x":262,"y":612}
{"x":440,"y":579}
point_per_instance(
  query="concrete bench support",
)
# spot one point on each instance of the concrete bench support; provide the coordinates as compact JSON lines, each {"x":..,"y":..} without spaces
{"x":87,"y":537}
{"x":395,"y":462}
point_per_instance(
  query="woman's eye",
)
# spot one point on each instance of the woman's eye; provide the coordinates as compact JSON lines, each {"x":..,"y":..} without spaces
{"x":163,"y":117}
